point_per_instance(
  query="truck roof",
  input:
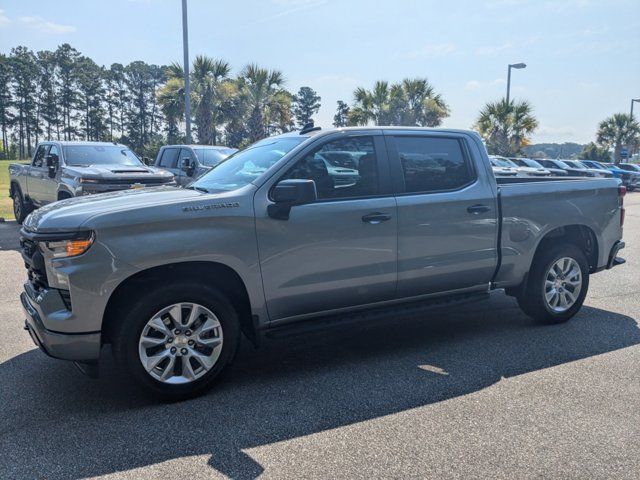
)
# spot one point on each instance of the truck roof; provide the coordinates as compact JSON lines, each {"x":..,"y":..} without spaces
{"x":84,"y":143}
{"x":311,"y":133}
{"x":213,"y":147}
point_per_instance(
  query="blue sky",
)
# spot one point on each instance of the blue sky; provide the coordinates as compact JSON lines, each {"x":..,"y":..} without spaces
{"x":583,"y":56}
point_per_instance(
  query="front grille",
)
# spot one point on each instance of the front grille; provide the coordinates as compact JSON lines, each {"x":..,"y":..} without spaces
{"x":130,"y":181}
{"x":34,"y":263}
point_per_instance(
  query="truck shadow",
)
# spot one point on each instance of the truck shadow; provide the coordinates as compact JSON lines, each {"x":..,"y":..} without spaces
{"x":62,"y":425}
{"x":9,"y":235}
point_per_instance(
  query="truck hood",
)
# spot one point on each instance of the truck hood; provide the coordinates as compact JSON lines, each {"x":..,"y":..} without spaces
{"x":110,"y":172}
{"x":74,"y":213}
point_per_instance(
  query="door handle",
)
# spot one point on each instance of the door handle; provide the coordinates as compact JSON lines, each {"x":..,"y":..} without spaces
{"x":376,"y":217}
{"x":478,"y":209}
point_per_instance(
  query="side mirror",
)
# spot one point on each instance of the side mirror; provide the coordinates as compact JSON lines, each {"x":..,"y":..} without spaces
{"x":146,"y":161}
{"x":289,"y":193}
{"x":52,"y":165}
{"x":187,"y":166}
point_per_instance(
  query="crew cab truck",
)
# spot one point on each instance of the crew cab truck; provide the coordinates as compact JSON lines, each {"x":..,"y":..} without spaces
{"x":267,"y":242}
{"x":62,"y":170}
{"x":189,"y":162}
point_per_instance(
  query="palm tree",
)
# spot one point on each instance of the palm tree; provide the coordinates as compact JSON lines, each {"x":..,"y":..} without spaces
{"x":412,"y":102}
{"x":505,"y":126}
{"x":207,"y":76}
{"x":265,"y":100}
{"x":618,"y":131}
{"x":171,"y":99}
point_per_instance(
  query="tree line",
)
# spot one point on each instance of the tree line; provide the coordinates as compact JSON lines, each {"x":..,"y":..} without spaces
{"x":65,"y":95}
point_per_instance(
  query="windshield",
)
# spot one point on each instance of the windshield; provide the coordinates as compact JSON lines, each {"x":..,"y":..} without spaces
{"x":595,"y":165}
{"x":575,"y":164}
{"x":213,"y":156}
{"x":531,"y":163}
{"x":78,"y":155}
{"x":561,"y":164}
{"x":245,"y":166}
{"x":502,"y":162}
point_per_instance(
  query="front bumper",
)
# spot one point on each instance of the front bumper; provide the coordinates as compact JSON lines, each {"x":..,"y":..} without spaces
{"x":80,"y":347}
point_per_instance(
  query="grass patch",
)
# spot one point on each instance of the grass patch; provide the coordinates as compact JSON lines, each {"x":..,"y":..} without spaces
{"x":6,"y":205}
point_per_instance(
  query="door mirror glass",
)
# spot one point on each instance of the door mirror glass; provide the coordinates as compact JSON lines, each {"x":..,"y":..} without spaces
{"x":289,"y":193}
{"x":52,"y":165}
{"x":187,"y":165}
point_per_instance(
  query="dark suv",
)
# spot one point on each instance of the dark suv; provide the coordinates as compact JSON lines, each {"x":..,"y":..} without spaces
{"x":188,"y":162}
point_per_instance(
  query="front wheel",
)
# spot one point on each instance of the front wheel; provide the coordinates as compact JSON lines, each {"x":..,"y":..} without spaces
{"x":20,"y":206}
{"x":557,"y":284}
{"x":176,"y":341}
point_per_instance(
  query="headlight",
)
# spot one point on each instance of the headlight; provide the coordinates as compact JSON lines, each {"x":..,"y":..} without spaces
{"x":88,"y":180}
{"x":70,"y":248}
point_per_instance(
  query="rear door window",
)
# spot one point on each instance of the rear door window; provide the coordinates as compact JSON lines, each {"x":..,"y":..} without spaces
{"x":433,"y":164}
{"x":169,"y":158}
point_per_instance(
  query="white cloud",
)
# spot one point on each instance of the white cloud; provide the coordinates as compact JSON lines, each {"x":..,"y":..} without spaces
{"x":433,"y":50}
{"x":473,"y":85}
{"x":492,"y":50}
{"x":291,"y":6}
{"x":46,"y":26}
{"x":4,"y":20}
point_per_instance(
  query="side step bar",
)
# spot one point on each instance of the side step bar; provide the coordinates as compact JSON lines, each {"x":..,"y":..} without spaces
{"x":307,"y":326}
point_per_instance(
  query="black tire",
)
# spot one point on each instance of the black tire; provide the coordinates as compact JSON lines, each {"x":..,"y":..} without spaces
{"x":135,"y":316}
{"x":532,"y":297}
{"x":21,"y":208}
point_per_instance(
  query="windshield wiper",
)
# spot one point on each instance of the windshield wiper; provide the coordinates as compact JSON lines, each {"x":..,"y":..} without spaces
{"x":200,"y":189}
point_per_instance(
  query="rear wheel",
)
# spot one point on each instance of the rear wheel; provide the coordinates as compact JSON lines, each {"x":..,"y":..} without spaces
{"x":557,"y":284}
{"x":176,"y":341}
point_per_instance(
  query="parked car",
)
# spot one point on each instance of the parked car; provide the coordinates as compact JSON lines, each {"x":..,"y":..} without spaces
{"x":62,"y":170}
{"x":556,"y":167}
{"x":630,"y":167}
{"x":530,"y":167}
{"x":629,"y":179}
{"x":503,"y":168}
{"x":189,"y":162}
{"x":587,"y":171}
{"x":266,"y":243}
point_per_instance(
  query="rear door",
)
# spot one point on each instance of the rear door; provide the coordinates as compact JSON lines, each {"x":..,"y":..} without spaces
{"x":339,"y":251}
{"x":447,"y":214}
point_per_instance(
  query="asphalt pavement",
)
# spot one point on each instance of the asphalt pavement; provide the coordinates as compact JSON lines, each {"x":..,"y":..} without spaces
{"x":476,"y":391}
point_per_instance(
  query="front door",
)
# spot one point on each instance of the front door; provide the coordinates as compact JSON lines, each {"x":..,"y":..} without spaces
{"x":341,"y":250}
{"x":186,"y":153}
{"x":447,"y":215}
{"x":169,"y":161}
{"x":38,"y":177}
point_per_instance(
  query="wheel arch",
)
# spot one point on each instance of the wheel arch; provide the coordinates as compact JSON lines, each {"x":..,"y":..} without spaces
{"x":580,"y":235}
{"x":215,"y":274}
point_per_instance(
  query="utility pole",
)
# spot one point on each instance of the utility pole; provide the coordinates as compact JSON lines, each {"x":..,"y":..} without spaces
{"x":187,"y":86}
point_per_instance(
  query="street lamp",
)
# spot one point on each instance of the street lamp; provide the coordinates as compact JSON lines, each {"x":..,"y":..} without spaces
{"x":512,"y":65}
{"x":187,"y":86}
{"x":633,"y":100}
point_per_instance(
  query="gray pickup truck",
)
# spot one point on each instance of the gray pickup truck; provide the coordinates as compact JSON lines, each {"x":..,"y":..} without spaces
{"x":189,"y":162}
{"x":62,"y":170}
{"x":268,"y":243}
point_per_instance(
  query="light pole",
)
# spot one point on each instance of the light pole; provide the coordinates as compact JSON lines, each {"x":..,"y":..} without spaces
{"x":512,"y":65}
{"x":633,"y":100}
{"x":187,"y":87}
